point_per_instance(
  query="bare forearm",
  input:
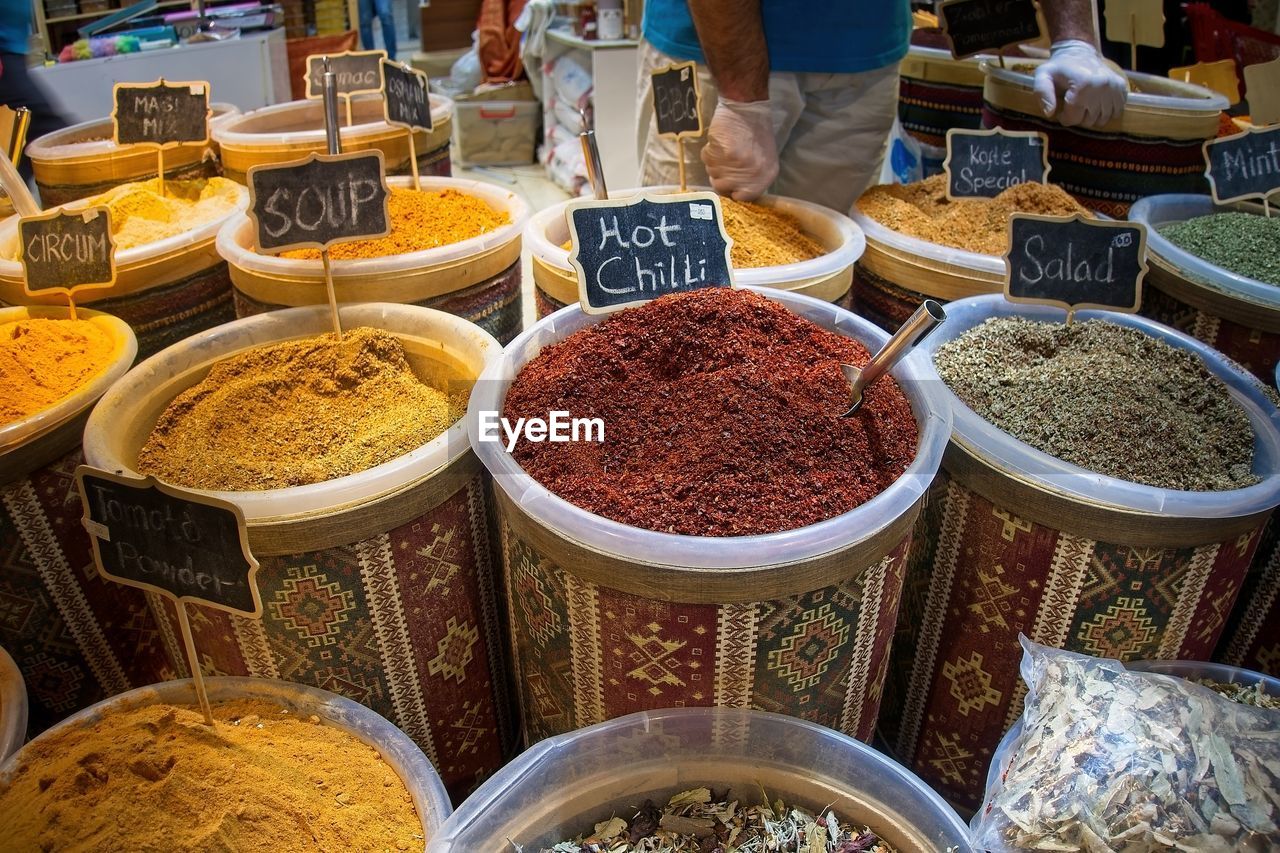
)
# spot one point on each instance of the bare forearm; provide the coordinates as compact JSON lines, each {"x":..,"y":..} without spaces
{"x":732,"y":37}
{"x":1069,"y":19}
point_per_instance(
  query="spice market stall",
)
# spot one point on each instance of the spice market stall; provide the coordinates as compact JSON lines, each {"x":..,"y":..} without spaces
{"x":1126,"y":542}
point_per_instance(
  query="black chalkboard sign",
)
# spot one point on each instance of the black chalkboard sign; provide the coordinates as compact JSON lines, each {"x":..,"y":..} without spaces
{"x":319,"y":201}
{"x":1246,"y":165}
{"x":356,"y":72}
{"x":1075,"y":262}
{"x":634,"y":250}
{"x":181,"y":544}
{"x":985,"y":163}
{"x":161,"y":113}
{"x":675,"y":100}
{"x":406,"y":104}
{"x":987,"y":26}
{"x":62,"y":250}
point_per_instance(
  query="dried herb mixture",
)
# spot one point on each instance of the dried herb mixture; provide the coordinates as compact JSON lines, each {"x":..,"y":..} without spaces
{"x":1245,"y":694}
{"x":1244,"y":243}
{"x":700,"y":821}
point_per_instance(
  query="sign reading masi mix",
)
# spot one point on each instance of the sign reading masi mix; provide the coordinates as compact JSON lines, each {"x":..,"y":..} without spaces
{"x":633,"y":250}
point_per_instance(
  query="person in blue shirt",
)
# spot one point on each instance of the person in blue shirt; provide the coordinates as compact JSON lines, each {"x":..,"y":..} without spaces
{"x":17,"y":88}
{"x":799,"y":96}
{"x":382,"y":9}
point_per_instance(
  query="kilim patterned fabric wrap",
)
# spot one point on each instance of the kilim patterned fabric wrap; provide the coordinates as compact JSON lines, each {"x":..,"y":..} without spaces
{"x":1252,"y":639}
{"x":546,"y":304}
{"x":928,"y":109}
{"x":980,"y":574}
{"x":880,"y":300}
{"x":405,"y":623}
{"x":585,"y":653}
{"x":1109,"y":172}
{"x":495,"y":304}
{"x":52,"y":195}
{"x":77,"y":638}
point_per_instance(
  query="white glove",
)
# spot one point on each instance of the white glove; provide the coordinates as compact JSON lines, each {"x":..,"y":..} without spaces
{"x":1094,"y":92}
{"x":741,"y":155}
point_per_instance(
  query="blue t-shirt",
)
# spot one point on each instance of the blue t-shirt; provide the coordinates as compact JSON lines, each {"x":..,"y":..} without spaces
{"x":15,"y":25}
{"x":834,"y":37}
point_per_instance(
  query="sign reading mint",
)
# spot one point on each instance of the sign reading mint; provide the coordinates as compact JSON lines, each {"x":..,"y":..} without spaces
{"x":1075,"y":262}
{"x":985,"y":163}
{"x":987,"y":26}
{"x":1246,"y":165}
{"x":161,"y":113}
{"x":63,"y":250}
{"x":324,"y":199}
{"x":356,"y":72}
{"x":634,"y":250}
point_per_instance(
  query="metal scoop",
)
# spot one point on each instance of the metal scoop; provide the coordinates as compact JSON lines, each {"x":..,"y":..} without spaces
{"x":919,"y":324}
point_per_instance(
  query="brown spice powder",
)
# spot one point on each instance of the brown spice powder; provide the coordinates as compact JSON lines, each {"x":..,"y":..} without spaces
{"x":158,"y":778}
{"x":296,"y":413}
{"x":922,"y":210}
{"x":765,"y":236}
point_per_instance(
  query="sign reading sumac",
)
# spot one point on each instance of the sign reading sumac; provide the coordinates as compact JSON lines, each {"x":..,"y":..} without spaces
{"x":1246,"y":165}
{"x":161,"y":113}
{"x":985,"y":163}
{"x":675,"y":100}
{"x":356,"y":72}
{"x":319,"y":201}
{"x":63,"y":250}
{"x":634,"y":250}
{"x":407,"y":104}
{"x":182,"y":544}
{"x":977,"y":26}
{"x":1075,"y":262}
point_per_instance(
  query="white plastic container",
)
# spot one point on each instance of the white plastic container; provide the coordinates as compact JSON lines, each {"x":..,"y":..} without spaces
{"x":13,"y":707}
{"x":825,"y":277}
{"x":396,"y":749}
{"x":561,"y":787}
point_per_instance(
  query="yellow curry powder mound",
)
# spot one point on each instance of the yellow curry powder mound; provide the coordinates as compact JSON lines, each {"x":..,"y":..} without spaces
{"x":419,"y":220}
{"x":296,"y":413}
{"x":158,"y":778}
{"x":922,"y":210}
{"x":141,"y":215}
{"x":764,"y":236}
{"x":43,"y":360}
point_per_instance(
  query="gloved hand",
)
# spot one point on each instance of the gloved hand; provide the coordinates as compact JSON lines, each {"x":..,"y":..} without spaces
{"x":1093,"y":91}
{"x":741,"y":155}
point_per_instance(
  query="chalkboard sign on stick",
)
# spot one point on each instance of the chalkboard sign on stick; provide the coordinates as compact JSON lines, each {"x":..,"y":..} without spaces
{"x":181,"y":544}
{"x":630,"y":251}
{"x":1075,"y":262}
{"x":355,"y":72}
{"x":61,"y":251}
{"x":316,"y":202}
{"x":1262,"y":82}
{"x":161,"y":113}
{"x":985,"y":163}
{"x":1245,"y":165}
{"x":406,"y":104}
{"x":987,"y":26}
{"x":676,"y":97}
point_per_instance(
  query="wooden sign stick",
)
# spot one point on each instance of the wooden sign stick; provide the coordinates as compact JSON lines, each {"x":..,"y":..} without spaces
{"x":332,"y":294}
{"x":413,"y":161}
{"x":193,"y":660}
{"x":684,"y":186}
{"x":1133,"y":57}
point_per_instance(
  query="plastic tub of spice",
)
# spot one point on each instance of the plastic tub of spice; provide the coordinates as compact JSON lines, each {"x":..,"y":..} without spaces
{"x":562,"y":787}
{"x":465,"y":243}
{"x":285,"y":132}
{"x":280,"y":756}
{"x":920,"y":245}
{"x":1153,"y":147}
{"x":824,"y":272}
{"x":13,"y":707}
{"x":612,"y":616}
{"x":379,"y":578}
{"x":1015,"y":540}
{"x":83,"y":160}
{"x":79,"y":638}
{"x":170,"y":280}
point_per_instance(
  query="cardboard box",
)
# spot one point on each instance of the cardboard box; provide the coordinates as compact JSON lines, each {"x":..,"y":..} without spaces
{"x":448,"y":24}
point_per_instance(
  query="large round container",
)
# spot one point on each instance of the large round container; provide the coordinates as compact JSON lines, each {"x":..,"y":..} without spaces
{"x":1152,"y":147}
{"x":826,"y":277}
{"x":166,"y":291}
{"x":378,"y":585}
{"x":76,"y":638}
{"x":478,"y":279}
{"x":83,"y":160}
{"x":898,"y":272}
{"x":937,"y":92}
{"x":1015,"y":541}
{"x":607,"y":619}
{"x":13,"y":706}
{"x":1252,"y":637}
{"x":394,"y":747}
{"x":563,"y":786}
{"x":291,"y":131}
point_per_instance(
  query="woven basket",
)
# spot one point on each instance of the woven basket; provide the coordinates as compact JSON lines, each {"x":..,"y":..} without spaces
{"x":937,"y":92}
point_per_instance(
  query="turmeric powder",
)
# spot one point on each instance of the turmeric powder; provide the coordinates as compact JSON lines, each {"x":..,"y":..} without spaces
{"x":43,"y":361}
{"x":157,"y":778}
{"x":419,"y":220}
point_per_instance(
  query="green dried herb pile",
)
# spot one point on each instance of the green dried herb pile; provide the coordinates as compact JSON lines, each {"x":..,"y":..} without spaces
{"x":1244,"y":243}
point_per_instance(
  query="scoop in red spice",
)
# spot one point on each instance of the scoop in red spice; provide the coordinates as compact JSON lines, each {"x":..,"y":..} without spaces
{"x":722,"y":418}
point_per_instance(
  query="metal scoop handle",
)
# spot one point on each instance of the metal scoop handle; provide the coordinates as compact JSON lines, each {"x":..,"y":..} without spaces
{"x":910,"y":333}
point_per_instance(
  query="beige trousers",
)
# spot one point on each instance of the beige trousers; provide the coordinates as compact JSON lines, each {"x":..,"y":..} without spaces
{"x":832,"y":131}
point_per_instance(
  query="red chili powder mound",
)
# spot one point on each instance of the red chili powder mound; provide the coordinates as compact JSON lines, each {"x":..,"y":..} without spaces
{"x":721,"y":415}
